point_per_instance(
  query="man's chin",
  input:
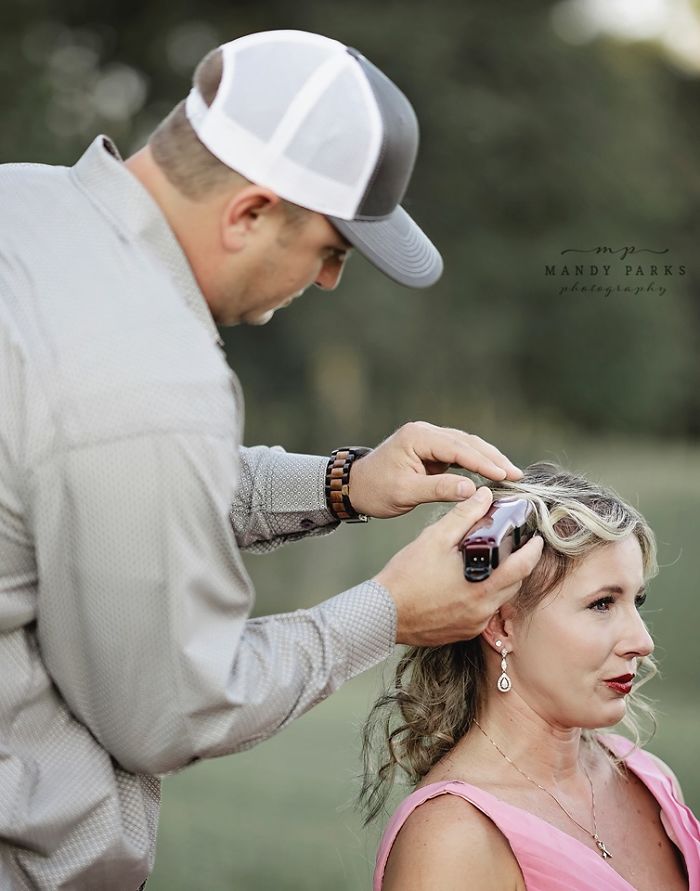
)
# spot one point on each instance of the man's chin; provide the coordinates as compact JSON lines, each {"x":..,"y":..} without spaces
{"x":264,"y":318}
{"x":261,"y":319}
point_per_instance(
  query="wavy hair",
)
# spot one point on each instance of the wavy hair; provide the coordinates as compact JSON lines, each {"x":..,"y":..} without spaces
{"x":437,"y":692}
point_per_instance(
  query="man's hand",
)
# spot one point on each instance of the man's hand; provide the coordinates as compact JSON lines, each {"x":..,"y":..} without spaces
{"x":409,"y":468}
{"x":434,"y":602}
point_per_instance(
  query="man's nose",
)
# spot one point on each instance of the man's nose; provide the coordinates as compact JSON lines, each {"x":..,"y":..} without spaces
{"x":329,"y":276}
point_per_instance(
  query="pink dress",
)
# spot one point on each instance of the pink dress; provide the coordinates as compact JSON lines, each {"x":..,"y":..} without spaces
{"x":549,"y":859}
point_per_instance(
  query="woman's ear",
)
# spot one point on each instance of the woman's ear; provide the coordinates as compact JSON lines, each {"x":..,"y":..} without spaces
{"x":499,"y":629}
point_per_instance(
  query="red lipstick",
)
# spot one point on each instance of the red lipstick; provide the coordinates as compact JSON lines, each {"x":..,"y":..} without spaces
{"x":621,"y":684}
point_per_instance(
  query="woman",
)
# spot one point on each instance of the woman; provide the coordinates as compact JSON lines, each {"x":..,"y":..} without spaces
{"x":515,"y":789}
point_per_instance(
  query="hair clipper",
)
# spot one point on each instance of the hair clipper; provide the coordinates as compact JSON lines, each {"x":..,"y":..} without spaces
{"x":506,"y":526}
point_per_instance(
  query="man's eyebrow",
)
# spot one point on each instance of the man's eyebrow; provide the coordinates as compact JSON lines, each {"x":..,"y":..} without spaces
{"x":344,"y":245}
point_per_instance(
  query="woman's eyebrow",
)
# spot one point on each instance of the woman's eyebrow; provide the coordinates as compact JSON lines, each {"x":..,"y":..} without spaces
{"x":616,"y":589}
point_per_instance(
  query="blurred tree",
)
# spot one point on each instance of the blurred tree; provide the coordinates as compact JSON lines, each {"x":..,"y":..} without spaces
{"x":529,"y":146}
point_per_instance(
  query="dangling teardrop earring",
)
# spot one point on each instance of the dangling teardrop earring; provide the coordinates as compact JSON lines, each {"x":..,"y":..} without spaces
{"x":504,"y":683}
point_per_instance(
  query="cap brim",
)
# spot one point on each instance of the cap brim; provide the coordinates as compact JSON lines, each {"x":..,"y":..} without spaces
{"x":396,"y":246}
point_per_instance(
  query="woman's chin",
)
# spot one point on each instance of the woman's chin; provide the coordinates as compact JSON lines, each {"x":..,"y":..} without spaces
{"x":613,"y":714}
{"x":608,"y":715}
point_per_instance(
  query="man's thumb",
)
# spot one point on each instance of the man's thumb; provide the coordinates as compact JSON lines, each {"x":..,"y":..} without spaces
{"x":457,"y":522}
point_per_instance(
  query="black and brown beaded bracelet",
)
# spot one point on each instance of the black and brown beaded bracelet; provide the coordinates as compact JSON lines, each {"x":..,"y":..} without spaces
{"x":338,"y":483}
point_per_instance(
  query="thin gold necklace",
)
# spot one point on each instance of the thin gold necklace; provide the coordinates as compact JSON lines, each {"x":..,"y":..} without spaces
{"x":600,"y":844}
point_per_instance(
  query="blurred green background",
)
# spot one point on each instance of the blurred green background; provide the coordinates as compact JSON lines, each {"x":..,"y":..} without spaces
{"x":281,"y":816}
{"x":554,"y":136}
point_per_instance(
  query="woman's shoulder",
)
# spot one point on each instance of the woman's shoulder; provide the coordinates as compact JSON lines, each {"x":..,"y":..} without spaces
{"x":444,"y":839}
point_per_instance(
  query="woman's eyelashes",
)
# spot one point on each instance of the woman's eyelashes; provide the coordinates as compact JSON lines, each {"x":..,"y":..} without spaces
{"x":603,"y":604}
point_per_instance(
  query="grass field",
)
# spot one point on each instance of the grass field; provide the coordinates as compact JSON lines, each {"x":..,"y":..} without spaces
{"x":281,"y":816}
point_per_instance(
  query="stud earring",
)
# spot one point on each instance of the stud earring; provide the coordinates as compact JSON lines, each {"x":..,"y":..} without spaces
{"x":504,"y":683}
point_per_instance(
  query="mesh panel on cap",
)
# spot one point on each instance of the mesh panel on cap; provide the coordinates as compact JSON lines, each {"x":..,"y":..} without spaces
{"x":334,"y":139}
{"x":285,"y":74}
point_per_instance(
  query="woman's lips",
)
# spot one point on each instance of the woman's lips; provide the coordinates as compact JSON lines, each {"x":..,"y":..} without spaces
{"x":622,"y":684}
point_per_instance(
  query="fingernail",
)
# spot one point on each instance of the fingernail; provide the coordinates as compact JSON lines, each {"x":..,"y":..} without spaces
{"x":463,"y":489}
{"x":483,"y":493}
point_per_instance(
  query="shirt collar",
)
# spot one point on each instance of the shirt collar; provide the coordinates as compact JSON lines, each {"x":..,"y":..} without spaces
{"x":107,"y":181}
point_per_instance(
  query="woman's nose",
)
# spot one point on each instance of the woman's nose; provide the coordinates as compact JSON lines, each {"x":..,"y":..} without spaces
{"x":637,"y":639}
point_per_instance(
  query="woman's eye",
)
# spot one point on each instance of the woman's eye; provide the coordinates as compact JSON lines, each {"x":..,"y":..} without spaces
{"x":602,"y":605}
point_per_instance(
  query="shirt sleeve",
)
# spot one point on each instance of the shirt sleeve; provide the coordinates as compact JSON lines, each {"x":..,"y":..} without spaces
{"x":144,"y":606}
{"x":280,"y":498}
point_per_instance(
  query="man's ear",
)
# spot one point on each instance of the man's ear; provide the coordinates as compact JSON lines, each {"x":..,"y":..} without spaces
{"x":243,"y":214}
{"x":499,"y":629}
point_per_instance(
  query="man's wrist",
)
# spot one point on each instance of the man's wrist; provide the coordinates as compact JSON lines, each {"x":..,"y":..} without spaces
{"x":365,"y":619}
{"x":337,"y":487}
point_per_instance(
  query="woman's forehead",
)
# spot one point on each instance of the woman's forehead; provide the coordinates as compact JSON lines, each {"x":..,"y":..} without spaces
{"x":618,"y":564}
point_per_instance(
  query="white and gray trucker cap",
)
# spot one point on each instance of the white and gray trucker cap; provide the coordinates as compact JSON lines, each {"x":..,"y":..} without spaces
{"x":320,"y":125}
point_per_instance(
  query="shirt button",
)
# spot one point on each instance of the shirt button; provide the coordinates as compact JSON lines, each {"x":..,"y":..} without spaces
{"x":306,"y":523}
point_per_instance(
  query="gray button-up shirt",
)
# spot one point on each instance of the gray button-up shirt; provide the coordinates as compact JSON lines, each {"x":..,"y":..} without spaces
{"x":126,"y":650}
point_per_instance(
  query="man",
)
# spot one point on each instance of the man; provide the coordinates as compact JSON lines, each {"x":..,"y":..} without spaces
{"x":125,"y":495}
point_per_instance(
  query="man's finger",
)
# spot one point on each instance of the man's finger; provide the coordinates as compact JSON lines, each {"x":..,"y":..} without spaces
{"x":505,"y":595}
{"x":457,"y":522}
{"x":440,"y":487}
{"x":441,"y":445}
{"x":471,"y":458}
{"x":490,"y":451}
{"x":517,"y":566}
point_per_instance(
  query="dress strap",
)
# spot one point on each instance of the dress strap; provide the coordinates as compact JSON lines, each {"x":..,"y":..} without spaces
{"x":678,"y":820}
{"x":399,"y":817}
{"x":549,"y":859}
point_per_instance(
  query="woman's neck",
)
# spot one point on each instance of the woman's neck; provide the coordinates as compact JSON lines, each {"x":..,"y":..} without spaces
{"x":548,"y":754}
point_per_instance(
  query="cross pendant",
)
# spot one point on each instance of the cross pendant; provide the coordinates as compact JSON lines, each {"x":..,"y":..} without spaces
{"x":604,"y":853}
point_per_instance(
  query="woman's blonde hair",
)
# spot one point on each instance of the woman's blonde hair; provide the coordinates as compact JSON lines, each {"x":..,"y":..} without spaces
{"x":438,"y":691}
